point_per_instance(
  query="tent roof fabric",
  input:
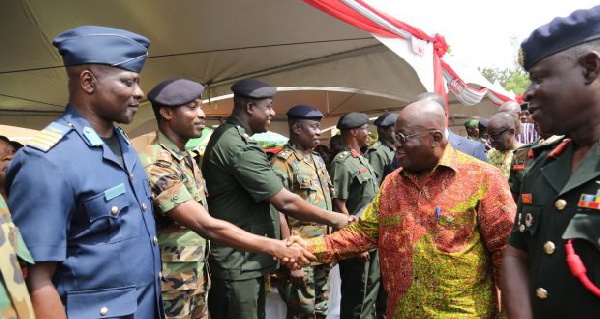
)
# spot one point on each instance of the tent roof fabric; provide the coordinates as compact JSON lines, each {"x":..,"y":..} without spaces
{"x":289,"y":44}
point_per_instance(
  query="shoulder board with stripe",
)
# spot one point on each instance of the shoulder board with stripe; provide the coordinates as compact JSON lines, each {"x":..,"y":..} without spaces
{"x":285,"y":154}
{"x":342,"y":156}
{"x":49,"y":136}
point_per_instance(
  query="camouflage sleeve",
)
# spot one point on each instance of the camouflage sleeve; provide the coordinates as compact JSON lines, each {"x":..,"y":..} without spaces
{"x":166,"y":185}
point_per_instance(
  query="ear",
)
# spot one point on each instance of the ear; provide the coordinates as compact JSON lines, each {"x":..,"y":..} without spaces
{"x":250,"y":107}
{"x":296,"y":128}
{"x":591,"y":66}
{"x":437,"y":138}
{"x":166,"y":113}
{"x":87,"y":81}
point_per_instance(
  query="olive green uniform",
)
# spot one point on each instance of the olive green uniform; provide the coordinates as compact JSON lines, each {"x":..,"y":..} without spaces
{"x":355,"y":181}
{"x":239,"y":180}
{"x":175,"y":178}
{"x":555,"y":204}
{"x":14,"y":297}
{"x":380,"y":156}
{"x":522,"y":158}
{"x":307,"y":177}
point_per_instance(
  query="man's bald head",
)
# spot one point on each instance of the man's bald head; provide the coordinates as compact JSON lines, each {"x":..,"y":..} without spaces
{"x":511,"y":107}
{"x":501,"y":121}
{"x":423,"y":115}
{"x":501,"y":130}
{"x":432,"y":96}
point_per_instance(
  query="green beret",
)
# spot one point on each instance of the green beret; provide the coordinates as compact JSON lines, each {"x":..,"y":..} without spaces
{"x":472,"y":123}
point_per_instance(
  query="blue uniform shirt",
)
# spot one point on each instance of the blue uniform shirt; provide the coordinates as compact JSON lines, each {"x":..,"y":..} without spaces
{"x":76,"y":205}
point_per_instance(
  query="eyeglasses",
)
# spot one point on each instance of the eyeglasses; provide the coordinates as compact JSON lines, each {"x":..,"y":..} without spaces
{"x":401,"y":138}
{"x":496,"y":136}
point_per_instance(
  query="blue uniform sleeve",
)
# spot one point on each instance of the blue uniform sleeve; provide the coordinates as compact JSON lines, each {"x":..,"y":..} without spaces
{"x":480,"y":153}
{"x":40,"y":200}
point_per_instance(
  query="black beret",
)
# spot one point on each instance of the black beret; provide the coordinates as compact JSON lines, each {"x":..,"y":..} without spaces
{"x":100,"y":45}
{"x":303,"y":111}
{"x":254,"y":89}
{"x":352,"y":120}
{"x":175,"y":92}
{"x":385,"y":120}
{"x":560,"y":34}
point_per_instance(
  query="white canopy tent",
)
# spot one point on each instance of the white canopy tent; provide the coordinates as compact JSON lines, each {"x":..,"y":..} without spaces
{"x":312,"y":57}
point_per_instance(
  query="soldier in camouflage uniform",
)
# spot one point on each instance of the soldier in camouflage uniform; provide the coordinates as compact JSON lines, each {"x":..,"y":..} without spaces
{"x":355,"y":185}
{"x":303,"y":172}
{"x":180,"y":203}
{"x":381,"y":154}
{"x":14,"y":297}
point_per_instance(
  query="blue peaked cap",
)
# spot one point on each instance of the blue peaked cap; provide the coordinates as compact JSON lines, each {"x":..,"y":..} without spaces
{"x":560,"y":34}
{"x":101,"y":45}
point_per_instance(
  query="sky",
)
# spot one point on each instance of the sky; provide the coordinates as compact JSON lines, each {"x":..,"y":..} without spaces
{"x":481,"y":33}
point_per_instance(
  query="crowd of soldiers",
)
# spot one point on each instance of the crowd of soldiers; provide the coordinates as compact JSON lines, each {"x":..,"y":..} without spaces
{"x":419,"y":226}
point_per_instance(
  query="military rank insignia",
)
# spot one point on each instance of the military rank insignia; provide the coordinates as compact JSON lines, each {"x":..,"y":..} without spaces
{"x":590,"y":200}
{"x":526,"y":199}
{"x":519,"y":165}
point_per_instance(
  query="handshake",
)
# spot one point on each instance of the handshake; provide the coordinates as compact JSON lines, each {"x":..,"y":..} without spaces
{"x":293,"y":252}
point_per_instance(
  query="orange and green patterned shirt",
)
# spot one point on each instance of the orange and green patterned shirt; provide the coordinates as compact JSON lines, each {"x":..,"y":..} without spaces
{"x":440,"y":245}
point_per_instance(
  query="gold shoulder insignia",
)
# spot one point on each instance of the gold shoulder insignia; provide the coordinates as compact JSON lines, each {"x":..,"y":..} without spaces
{"x":49,"y":136}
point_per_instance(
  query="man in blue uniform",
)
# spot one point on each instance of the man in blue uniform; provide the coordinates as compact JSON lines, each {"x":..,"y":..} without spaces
{"x":79,"y":193}
{"x":551,"y":267}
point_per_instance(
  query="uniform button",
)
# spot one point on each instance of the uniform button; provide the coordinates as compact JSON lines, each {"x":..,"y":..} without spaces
{"x":155,"y":240}
{"x":103,"y":311}
{"x":175,"y":197}
{"x":560,"y":204}
{"x":114,"y":210}
{"x":549,"y":247}
{"x":144,"y":207}
{"x":541,"y":293}
{"x":131,"y":177}
{"x":159,"y":275}
{"x":521,"y":228}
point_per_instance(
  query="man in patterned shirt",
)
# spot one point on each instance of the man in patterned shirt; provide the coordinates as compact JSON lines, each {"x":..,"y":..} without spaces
{"x":440,"y":223}
{"x":180,"y":203}
{"x":303,"y":172}
{"x":501,"y":133}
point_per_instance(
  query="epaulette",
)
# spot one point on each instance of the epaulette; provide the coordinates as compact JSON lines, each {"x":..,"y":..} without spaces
{"x":342,"y":156}
{"x":285,"y":154}
{"x":247,"y":138}
{"x":374,"y":146}
{"x":49,"y":136}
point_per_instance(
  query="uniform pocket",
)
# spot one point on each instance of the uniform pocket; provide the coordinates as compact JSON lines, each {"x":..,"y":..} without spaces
{"x":585,"y":225}
{"x":105,"y":215}
{"x":107,"y":303}
{"x":306,"y":182}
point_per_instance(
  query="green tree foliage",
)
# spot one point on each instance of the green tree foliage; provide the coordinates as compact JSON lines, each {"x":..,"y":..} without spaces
{"x":513,"y":79}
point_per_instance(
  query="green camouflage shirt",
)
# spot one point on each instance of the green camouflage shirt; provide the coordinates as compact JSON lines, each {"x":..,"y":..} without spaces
{"x":353,"y":179}
{"x":175,"y":178}
{"x":14,"y":297}
{"x":380,"y":156}
{"x":308,"y":178}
